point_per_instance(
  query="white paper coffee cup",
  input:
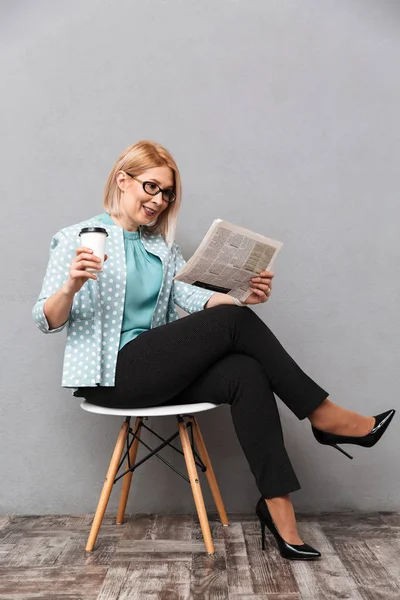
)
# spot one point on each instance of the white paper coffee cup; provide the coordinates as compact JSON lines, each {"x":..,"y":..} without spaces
{"x":95,"y":239}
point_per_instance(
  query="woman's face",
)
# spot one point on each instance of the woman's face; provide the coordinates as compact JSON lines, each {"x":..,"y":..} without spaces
{"x":135,"y":201}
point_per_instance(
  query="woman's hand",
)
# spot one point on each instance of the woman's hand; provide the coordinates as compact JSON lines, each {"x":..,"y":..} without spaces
{"x":77,"y":274}
{"x":261,"y":288}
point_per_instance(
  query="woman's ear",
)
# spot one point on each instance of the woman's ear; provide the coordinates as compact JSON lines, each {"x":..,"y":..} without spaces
{"x":121,"y":180}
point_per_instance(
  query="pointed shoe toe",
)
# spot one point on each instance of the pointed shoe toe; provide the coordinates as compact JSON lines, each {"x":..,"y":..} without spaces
{"x":299,"y":552}
{"x":382,"y":422}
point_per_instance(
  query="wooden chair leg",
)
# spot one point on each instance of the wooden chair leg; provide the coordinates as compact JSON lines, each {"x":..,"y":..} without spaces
{"x":127,"y":479}
{"x":196,"y":488}
{"x":212,"y":481}
{"x":107,"y":487}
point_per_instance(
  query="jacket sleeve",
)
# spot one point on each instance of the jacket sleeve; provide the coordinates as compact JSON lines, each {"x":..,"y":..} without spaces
{"x":190,"y":298}
{"x":61,"y":254}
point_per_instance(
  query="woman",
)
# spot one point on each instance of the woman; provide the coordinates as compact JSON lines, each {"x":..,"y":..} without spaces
{"x":126,"y":346}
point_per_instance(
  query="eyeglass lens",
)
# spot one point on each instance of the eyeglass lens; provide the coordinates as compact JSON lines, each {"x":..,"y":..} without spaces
{"x":153,"y":189}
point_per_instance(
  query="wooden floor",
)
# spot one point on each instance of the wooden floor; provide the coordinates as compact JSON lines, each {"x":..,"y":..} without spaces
{"x":163,"y":557}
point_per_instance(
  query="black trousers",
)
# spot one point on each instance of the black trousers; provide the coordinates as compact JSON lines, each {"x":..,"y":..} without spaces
{"x":224,"y":354}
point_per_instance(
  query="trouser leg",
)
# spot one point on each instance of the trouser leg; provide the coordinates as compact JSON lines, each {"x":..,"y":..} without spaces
{"x":161,"y":362}
{"x":240,"y":381}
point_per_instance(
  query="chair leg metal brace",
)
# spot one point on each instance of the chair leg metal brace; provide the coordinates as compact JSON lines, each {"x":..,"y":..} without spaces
{"x":189,"y":454}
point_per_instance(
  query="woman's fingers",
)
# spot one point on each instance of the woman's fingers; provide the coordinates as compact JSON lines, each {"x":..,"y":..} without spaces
{"x":266,"y":280}
{"x":83,"y":264}
{"x":82,"y":273}
{"x":83,"y":249}
{"x":257,"y":292}
{"x":264,"y":287}
{"x":261,"y":295}
{"x":85,"y":256}
{"x":84,"y":253}
{"x":84,"y":259}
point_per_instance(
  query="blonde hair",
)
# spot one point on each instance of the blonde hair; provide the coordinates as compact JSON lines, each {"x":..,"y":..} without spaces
{"x":135,"y":160}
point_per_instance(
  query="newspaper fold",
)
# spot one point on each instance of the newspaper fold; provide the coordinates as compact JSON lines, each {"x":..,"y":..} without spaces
{"x":227,"y":258}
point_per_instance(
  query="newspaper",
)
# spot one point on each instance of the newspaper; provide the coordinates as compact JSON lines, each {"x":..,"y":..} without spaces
{"x":227,"y":258}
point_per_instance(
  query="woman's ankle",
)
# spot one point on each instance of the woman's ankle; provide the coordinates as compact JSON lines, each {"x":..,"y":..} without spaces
{"x":282,"y":513}
{"x":332,"y":418}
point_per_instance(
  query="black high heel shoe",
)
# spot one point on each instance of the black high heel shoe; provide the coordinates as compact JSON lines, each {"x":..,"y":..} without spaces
{"x":290,"y":551}
{"x":332,"y":439}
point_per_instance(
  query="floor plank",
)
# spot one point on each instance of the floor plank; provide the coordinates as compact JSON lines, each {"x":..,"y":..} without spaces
{"x":73,"y":553}
{"x":264,"y":597}
{"x":173,"y":527}
{"x":35,"y":552}
{"x":51,"y":583}
{"x":161,"y":580}
{"x":354,"y":524}
{"x":325,"y":578}
{"x":372,"y":578}
{"x":388,"y":554}
{"x":238,"y":571}
{"x":4,"y":522}
{"x":208,"y":578}
{"x":113,"y":582}
{"x":270,"y":573}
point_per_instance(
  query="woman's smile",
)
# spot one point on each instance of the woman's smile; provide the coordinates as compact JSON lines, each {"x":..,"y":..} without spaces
{"x":148,"y":211}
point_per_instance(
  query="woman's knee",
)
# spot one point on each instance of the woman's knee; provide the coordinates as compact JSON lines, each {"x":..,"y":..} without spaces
{"x":242,"y":368}
{"x":233,"y":314}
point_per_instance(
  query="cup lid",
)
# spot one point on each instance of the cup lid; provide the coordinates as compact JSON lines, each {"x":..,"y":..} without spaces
{"x":93,"y":230}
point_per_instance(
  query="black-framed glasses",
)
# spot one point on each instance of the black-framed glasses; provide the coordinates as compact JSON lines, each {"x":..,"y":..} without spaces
{"x":153,"y":189}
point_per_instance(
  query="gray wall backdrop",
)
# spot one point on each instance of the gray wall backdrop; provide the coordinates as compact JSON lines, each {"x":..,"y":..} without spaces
{"x":283,"y":117}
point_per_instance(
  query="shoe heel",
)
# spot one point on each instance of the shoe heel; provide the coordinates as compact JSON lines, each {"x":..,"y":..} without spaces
{"x":341,"y":450}
{"x":262,"y":535}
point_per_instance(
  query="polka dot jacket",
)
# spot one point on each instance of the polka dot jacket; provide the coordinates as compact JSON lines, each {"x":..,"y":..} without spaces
{"x":95,"y":320}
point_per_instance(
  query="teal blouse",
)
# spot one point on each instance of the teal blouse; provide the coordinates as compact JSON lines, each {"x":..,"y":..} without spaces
{"x":143,"y":283}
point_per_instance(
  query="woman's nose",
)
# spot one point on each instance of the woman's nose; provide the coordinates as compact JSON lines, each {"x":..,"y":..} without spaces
{"x":157,"y":199}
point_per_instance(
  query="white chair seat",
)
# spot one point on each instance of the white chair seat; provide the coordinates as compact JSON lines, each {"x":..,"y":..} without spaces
{"x":153,"y":411}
